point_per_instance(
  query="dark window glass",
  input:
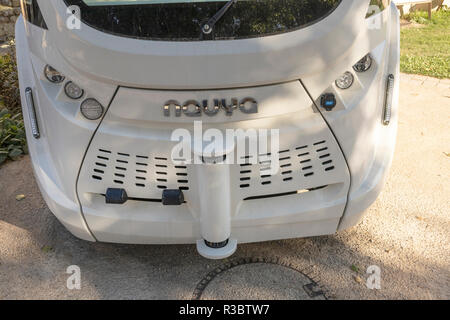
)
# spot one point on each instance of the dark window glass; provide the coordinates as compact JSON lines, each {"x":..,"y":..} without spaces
{"x":33,"y":14}
{"x":183,"y":21}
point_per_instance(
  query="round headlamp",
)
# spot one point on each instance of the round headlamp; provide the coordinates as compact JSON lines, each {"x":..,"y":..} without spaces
{"x":364,"y":64}
{"x":345,"y":81}
{"x":73,"y":91}
{"x":91,"y":109}
{"x":53,"y":75}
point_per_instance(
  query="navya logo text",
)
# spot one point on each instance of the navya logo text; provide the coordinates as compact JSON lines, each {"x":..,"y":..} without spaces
{"x":193,"y":108}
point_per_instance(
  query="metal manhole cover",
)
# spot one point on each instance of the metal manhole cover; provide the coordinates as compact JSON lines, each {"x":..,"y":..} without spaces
{"x":258,"y":278}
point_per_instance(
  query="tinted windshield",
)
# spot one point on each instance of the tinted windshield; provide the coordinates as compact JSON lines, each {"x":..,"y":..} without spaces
{"x":180,"y":20}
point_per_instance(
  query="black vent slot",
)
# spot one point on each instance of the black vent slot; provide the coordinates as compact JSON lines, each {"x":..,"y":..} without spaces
{"x":182,"y":177}
{"x":101,"y":164}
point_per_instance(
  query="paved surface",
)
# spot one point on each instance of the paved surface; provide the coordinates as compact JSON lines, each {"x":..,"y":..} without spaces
{"x":406,"y":233}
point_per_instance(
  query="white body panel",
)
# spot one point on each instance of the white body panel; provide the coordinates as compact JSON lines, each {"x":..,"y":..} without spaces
{"x":128,"y":143}
{"x":285,"y":73}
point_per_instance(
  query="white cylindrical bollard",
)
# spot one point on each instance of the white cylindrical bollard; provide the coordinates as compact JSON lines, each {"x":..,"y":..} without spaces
{"x":215,"y":211}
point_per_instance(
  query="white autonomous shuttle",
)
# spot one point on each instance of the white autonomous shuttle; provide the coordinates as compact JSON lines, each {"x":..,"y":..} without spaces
{"x":105,"y":84}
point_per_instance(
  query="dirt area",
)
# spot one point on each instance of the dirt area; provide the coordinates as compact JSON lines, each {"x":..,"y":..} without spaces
{"x":410,"y":24}
{"x":406,"y":233}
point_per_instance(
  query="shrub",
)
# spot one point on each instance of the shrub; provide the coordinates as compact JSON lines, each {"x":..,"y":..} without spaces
{"x":12,"y":132}
{"x":12,"y":136}
{"x":9,"y":83}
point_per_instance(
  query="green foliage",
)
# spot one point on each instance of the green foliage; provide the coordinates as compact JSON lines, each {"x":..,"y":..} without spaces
{"x":421,"y":17}
{"x":12,"y":136}
{"x":9,"y":83}
{"x":13,"y":142}
{"x":426,"y":48}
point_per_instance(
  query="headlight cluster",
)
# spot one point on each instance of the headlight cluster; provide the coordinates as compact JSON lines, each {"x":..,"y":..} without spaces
{"x":346,"y":80}
{"x":53,"y":75}
{"x":90,"y":108}
{"x":73,"y":91}
{"x":364,"y":64}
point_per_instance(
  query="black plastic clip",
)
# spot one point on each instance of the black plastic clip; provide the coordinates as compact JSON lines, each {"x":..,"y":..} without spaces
{"x":172,"y":197}
{"x":116,"y":196}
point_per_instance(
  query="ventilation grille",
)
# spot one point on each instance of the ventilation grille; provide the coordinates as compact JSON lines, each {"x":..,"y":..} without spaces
{"x":124,"y":170}
{"x":300,"y":166}
{"x":298,"y":163}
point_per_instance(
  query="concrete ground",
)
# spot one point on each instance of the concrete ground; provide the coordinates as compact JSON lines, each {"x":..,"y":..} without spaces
{"x":406,"y":233}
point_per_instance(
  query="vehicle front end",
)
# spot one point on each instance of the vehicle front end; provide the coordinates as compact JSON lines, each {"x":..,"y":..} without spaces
{"x":109,"y":89}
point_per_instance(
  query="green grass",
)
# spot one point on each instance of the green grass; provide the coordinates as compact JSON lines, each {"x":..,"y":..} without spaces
{"x":425,"y":49}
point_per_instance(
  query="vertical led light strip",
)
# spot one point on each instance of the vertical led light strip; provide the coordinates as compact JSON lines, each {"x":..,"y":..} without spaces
{"x":32,"y":113}
{"x":388,"y":102}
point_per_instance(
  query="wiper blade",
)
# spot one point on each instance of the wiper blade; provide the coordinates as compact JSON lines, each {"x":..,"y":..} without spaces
{"x":208,"y":27}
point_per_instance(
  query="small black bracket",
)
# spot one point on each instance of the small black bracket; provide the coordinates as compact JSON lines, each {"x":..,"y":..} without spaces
{"x":172,"y":197}
{"x":116,"y":196}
